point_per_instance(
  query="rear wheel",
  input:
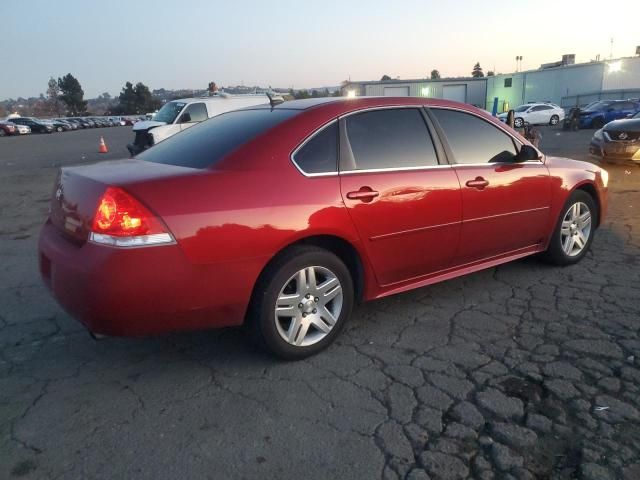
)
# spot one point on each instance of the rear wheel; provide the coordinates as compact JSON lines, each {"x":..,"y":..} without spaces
{"x":301,"y":303}
{"x":574,"y":231}
{"x":554,"y":120}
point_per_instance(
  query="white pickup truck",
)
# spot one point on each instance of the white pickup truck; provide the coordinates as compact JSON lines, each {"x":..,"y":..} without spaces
{"x":179,"y":115}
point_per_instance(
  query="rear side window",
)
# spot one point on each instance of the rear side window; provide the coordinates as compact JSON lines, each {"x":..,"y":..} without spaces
{"x":390,"y":138}
{"x":473,"y":140}
{"x":320,"y":153}
{"x":197,"y":113}
{"x":207,"y":143}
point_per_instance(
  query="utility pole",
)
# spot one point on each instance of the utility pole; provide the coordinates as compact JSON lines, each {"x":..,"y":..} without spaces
{"x":611,"y":50}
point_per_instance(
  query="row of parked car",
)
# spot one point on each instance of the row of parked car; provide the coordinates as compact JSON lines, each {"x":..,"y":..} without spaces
{"x":594,"y":115}
{"x":26,"y":125}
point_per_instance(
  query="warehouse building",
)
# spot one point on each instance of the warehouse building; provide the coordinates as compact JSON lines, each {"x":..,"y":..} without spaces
{"x":567,"y":84}
{"x":563,"y":82}
{"x":466,"y":90}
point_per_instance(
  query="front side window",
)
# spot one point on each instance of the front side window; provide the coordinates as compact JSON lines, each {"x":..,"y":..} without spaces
{"x":320,"y":153}
{"x":196,"y":112}
{"x":169,"y":112}
{"x":390,"y":138}
{"x":473,"y":140}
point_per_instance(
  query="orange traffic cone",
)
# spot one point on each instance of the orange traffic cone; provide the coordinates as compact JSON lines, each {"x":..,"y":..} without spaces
{"x":103,"y":146}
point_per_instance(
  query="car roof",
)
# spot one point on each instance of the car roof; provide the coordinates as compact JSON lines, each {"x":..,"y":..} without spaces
{"x":342,"y":105}
{"x":217,"y":98}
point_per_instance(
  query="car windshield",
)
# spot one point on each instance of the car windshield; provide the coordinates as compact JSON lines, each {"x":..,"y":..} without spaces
{"x":522,"y":108}
{"x":169,"y":112}
{"x":207,"y":143}
{"x":596,"y":106}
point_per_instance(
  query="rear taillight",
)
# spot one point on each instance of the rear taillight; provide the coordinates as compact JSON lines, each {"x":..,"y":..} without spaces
{"x":122,"y":221}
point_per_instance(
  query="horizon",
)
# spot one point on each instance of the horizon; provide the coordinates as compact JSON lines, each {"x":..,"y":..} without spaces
{"x":340,"y":42}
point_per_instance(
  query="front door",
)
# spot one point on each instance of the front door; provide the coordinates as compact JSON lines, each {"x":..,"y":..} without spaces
{"x":405,"y":206}
{"x":505,"y":205}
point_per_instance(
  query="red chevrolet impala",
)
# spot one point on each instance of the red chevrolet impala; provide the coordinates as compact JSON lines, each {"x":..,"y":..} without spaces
{"x":283,"y":217}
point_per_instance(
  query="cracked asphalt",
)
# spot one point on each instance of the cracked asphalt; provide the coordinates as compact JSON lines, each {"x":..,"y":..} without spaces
{"x":522,"y":371}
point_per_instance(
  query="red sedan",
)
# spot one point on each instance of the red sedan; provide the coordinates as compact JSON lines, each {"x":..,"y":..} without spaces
{"x":283,"y":217}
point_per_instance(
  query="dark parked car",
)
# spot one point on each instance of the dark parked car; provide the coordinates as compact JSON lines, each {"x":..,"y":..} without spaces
{"x":8,"y":128}
{"x":283,"y":217}
{"x":72,"y":125}
{"x":83,"y":122}
{"x":618,"y":140}
{"x":598,"y":114}
{"x":35,"y":124}
{"x":58,"y":125}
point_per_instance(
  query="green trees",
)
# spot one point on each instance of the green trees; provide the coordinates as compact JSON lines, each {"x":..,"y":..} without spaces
{"x":72,"y":95}
{"x":385,"y":78}
{"x":53,"y":96}
{"x":477,"y":71}
{"x":435,"y":74}
{"x":135,"y":100}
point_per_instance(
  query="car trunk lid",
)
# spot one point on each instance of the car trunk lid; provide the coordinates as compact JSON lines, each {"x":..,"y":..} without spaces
{"x":77,"y":190}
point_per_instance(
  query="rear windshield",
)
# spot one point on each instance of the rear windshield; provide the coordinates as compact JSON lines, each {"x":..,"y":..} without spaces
{"x":208,"y":142}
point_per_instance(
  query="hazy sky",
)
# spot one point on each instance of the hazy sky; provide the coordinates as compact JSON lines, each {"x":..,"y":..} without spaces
{"x":187,"y":43}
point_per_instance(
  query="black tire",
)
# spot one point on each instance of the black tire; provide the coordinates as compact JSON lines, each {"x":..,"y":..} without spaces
{"x":2,"y":133}
{"x":518,"y":122}
{"x":261,"y":319}
{"x":597,"y":123}
{"x":59,"y":129}
{"x":555,"y":253}
{"x":555,"y":119}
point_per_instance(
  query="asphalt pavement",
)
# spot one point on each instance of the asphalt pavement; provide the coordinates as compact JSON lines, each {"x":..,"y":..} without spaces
{"x":521,"y":371}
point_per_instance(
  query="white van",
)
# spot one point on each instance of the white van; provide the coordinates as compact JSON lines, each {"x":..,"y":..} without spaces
{"x":179,"y":115}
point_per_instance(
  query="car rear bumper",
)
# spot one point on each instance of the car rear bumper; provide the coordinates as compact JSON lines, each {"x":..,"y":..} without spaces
{"x":141,"y":291}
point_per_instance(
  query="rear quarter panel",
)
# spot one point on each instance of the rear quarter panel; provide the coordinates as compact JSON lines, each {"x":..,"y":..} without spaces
{"x":568,"y":175}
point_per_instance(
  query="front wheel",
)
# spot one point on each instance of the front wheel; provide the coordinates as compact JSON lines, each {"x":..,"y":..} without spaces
{"x":518,"y":122}
{"x":301,"y":303}
{"x":597,"y":123}
{"x":554,"y":120}
{"x":574,"y":231}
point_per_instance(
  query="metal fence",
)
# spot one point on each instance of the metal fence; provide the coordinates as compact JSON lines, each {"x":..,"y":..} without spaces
{"x":586,"y":98}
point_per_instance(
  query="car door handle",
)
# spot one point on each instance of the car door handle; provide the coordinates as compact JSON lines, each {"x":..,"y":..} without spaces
{"x":366,"y":194}
{"x":478,"y":183}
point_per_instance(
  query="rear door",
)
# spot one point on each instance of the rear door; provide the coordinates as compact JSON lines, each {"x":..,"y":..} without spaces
{"x":540,"y":114}
{"x":505,"y":205}
{"x":404,"y":204}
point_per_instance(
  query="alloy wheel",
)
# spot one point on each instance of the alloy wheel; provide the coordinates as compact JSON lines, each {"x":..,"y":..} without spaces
{"x":575,"y":229}
{"x":518,"y":122}
{"x":308,"y":306}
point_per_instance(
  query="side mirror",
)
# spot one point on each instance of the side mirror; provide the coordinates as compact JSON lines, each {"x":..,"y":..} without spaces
{"x":527,"y":152}
{"x":185,"y":118}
